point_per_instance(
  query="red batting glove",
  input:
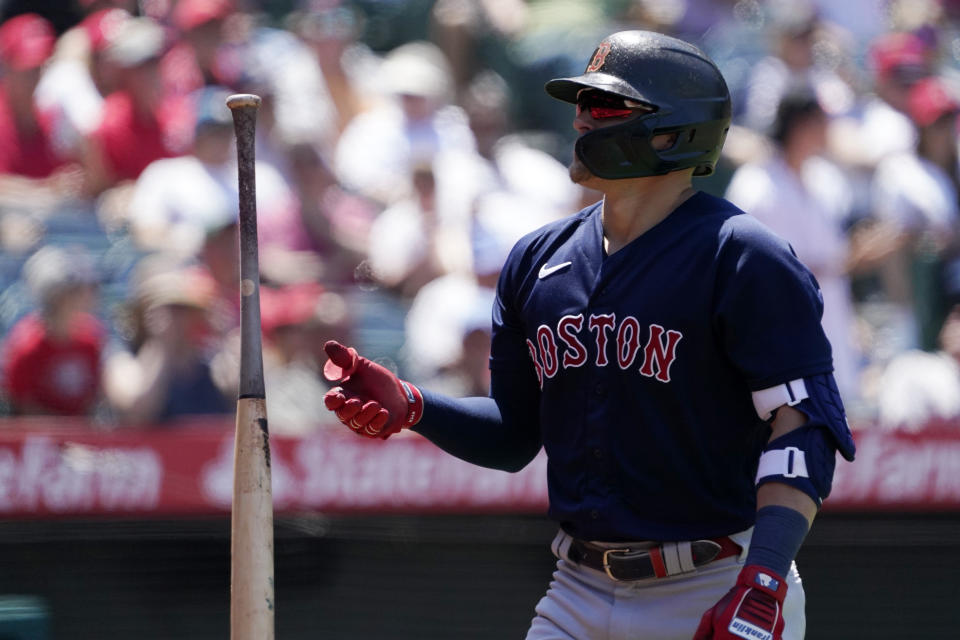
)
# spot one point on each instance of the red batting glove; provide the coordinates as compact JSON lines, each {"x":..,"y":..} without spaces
{"x":752,"y":609}
{"x":369,"y":399}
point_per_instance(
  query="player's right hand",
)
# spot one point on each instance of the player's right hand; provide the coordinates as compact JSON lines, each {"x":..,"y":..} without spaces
{"x":369,"y":398}
{"x":753,"y":608}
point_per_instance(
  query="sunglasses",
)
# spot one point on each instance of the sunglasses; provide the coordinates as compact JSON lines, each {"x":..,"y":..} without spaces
{"x":606,"y":105}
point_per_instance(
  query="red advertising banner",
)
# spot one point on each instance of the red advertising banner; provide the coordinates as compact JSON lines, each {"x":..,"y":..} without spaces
{"x":900,"y":471}
{"x":49,"y":469}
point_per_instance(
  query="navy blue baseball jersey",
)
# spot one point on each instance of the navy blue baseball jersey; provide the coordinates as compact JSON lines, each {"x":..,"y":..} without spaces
{"x":646,"y":361}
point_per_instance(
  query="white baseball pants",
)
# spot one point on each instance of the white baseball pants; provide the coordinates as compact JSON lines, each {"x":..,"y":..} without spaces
{"x":585,"y":604}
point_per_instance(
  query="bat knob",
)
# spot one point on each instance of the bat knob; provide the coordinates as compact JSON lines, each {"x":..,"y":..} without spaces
{"x":240,"y":100}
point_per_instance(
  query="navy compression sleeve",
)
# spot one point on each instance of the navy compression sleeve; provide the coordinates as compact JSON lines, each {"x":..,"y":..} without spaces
{"x":500,"y":432}
{"x":777,"y":536}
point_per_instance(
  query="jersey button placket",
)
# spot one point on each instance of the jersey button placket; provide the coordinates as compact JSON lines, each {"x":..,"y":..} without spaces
{"x":595,"y":454}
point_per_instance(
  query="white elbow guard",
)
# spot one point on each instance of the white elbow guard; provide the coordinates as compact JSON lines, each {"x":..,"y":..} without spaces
{"x":805,"y":458}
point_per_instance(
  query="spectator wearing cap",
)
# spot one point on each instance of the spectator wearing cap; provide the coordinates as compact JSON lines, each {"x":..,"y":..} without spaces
{"x":80,"y":75}
{"x":295,"y":319}
{"x":805,"y":199}
{"x":51,"y":357}
{"x":881,"y":124}
{"x":918,"y":189}
{"x":169,"y":377}
{"x":177,"y":201}
{"x":27,"y":145}
{"x":416,"y":123}
{"x":914,"y":195}
{"x":795,"y":29}
{"x":141,"y":123}
{"x":200,"y":55}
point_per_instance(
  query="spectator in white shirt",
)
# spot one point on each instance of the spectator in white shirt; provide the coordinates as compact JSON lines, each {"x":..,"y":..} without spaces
{"x":805,"y":199}
{"x":417,"y":121}
{"x":914,"y":195}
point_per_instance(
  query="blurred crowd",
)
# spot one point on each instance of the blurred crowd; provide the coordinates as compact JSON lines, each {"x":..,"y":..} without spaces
{"x":403,"y":146}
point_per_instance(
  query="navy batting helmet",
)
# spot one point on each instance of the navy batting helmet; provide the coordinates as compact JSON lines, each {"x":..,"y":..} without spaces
{"x":684,"y":89}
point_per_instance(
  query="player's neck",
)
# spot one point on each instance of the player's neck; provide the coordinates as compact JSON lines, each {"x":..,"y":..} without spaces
{"x":632,"y":207}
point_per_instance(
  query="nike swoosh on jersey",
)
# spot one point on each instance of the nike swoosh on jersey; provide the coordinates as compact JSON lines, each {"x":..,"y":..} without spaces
{"x":546,"y":271}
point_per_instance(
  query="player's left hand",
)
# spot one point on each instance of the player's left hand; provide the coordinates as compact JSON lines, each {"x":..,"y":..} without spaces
{"x":370,"y":399}
{"x":752,"y":609}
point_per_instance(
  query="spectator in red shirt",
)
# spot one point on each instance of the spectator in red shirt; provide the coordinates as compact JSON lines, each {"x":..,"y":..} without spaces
{"x":51,"y":362}
{"x":141,"y":123}
{"x":26,"y":142}
{"x":79,"y":76}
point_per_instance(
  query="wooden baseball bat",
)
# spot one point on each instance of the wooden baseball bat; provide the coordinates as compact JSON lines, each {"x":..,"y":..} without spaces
{"x":251,"y":530}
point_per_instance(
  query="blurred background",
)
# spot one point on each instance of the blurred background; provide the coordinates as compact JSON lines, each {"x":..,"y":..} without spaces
{"x":403,"y":147}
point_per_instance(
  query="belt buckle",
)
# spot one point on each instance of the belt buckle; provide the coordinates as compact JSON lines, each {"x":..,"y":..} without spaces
{"x":606,"y":561}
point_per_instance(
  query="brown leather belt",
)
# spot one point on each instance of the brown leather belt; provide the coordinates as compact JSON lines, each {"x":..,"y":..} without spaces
{"x":661,"y":561}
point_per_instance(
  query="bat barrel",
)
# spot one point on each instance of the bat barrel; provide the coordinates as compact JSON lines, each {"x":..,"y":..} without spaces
{"x":251,"y":540}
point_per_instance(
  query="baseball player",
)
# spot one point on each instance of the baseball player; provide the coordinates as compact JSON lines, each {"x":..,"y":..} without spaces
{"x":666,"y":350}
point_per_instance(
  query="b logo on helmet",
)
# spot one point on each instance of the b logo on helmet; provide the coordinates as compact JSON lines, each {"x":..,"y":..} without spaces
{"x":599,"y":57}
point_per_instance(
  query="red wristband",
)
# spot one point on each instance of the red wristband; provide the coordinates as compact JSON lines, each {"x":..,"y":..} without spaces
{"x":414,"y":404}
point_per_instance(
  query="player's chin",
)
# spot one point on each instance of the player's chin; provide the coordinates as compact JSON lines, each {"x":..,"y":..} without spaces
{"x":579,"y":174}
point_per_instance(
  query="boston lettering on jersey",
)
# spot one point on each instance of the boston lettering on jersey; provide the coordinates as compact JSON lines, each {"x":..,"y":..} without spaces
{"x":646,"y":358}
{"x":564,"y":347}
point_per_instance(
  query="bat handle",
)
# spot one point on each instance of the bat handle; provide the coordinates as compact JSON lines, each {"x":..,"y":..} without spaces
{"x":244,"y":108}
